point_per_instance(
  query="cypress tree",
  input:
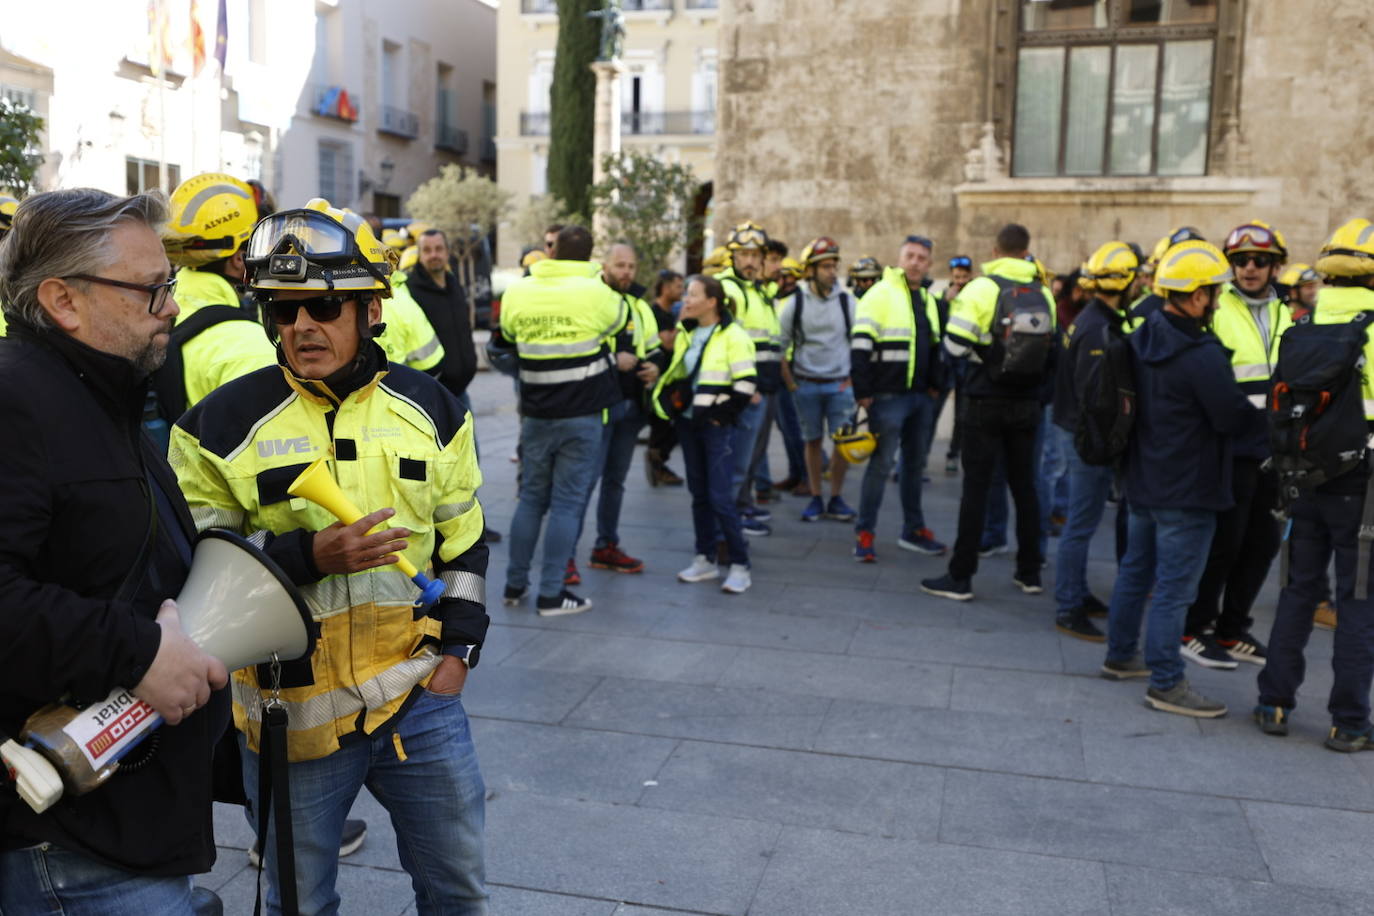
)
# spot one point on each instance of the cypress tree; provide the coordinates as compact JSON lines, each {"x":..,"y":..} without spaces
{"x":572,"y":99}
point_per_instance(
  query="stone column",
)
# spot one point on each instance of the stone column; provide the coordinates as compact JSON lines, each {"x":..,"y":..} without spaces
{"x":606,"y":138}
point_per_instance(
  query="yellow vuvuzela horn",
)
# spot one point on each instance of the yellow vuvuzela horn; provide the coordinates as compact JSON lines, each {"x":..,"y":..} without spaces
{"x":316,"y":484}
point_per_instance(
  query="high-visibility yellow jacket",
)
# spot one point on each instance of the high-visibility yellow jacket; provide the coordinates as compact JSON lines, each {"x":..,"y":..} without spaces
{"x":883,"y":345}
{"x":725,"y":376}
{"x":563,"y":320}
{"x":409,"y":339}
{"x":753,"y":306}
{"x":1251,"y":360}
{"x":1339,"y":304}
{"x":400,"y":440}
{"x":225,"y":351}
{"x":970,"y":324}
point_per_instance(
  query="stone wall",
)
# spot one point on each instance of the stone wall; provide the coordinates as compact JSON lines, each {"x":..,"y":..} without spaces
{"x":870,"y":120}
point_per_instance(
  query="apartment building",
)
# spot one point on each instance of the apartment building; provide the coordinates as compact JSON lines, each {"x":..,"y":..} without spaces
{"x":668,"y":94}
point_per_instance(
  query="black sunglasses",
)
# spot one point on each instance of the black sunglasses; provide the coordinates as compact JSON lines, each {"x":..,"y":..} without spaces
{"x":919,"y":240}
{"x":157,"y":292}
{"x":1244,"y":259}
{"x":320,"y":308}
{"x":961,"y":262}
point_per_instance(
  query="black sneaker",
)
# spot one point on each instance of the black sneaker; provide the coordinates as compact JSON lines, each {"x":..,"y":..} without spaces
{"x":1028,"y":582}
{"x":1272,"y":720}
{"x":1246,"y":649}
{"x":947,"y":586}
{"x":562,"y":604}
{"x":1093,"y":607}
{"x":1079,"y":627}
{"x":1350,"y":742}
{"x":1114,"y":670}
{"x":1184,"y":701}
{"x":513,"y":596}
{"x":1203,"y":650}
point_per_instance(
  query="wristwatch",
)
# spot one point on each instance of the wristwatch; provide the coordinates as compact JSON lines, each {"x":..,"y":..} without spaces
{"x":469,"y":654}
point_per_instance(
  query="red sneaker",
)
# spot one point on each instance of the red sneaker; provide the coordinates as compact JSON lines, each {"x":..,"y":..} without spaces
{"x":570,"y":575}
{"x":863,"y":548}
{"x":616,"y":560}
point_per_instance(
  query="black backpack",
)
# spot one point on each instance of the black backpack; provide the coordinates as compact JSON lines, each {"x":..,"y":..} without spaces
{"x":1317,"y":429}
{"x":1107,"y":404}
{"x":1022,"y":334}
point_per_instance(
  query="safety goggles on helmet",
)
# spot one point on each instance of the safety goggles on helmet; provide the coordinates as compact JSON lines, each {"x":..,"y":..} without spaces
{"x":746,"y":236}
{"x":1253,"y":237}
{"x":322,"y":309}
{"x":296,"y":245}
{"x":961,"y":261}
{"x":919,"y":240}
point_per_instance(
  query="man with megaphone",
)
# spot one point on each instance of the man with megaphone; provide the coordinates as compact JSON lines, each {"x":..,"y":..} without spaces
{"x":95,"y":537}
{"x":377,"y":703}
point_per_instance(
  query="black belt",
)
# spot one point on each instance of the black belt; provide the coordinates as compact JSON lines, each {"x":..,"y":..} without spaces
{"x":812,"y":378}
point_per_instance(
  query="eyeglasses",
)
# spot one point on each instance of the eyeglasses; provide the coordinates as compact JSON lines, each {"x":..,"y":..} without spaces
{"x":1246,"y":258}
{"x":157,"y":292}
{"x":961,"y":261}
{"x":321,"y":308}
{"x":919,"y":240}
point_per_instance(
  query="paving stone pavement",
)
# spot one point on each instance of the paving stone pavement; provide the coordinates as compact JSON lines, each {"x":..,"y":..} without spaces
{"x":835,"y":742}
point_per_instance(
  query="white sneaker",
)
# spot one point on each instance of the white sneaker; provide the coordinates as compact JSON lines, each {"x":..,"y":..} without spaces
{"x":737,"y":581}
{"x":701,"y":570}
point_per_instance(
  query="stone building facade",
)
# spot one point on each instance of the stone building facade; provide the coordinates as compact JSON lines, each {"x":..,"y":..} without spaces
{"x":1083,"y":119}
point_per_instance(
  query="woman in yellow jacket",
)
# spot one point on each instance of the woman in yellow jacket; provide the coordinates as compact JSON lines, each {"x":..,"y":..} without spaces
{"x":710,"y":380}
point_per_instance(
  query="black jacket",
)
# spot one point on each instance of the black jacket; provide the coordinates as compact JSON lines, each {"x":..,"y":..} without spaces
{"x":1081,"y":346}
{"x":95,"y":534}
{"x":447,"y":311}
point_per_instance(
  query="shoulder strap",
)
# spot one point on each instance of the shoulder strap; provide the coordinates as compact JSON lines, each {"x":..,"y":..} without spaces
{"x":798,"y":333}
{"x":169,"y":382}
{"x":844,"y":311}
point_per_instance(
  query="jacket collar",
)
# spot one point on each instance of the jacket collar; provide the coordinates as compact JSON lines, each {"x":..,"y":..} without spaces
{"x":551,"y":269}
{"x":418,"y":276}
{"x":116,"y":382}
{"x":1018,"y":269}
{"x":362,"y":376}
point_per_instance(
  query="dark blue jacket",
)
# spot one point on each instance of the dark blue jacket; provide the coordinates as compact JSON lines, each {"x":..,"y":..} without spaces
{"x":1081,"y":346}
{"x":1188,"y":410}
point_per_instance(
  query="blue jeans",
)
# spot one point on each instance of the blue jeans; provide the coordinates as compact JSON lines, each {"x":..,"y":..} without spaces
{"x":46,"y":880}
{"x":821,"y":405}
{"x":744,"y":435}
{"x":708,"y":464}
{"x":1052,"y":482}
{"x":898,"y":420}
{"x":1165,"y":549}
{"x":1088,"y":489}
{"x":435,"y":797}
{"x":617,"y":452}
{"x":789,"y":424}
{"x":1322,"y":524}
{"x":558,"y":465}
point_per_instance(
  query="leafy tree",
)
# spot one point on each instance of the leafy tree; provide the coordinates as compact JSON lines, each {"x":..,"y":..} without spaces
{"x":467,"y":206}
{"x":527,"y":224}
{"x":21,"y":151}
{"x":572,"y":99}
{"x":647,"y":202}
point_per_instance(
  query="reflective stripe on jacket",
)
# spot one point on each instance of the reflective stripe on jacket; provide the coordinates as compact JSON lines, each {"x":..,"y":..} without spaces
{"x":755,"y":311}
{"x":563,"y":320}
{"x":969,"y":330}
{"x":400,"y":441}
{"x":1234,"y":324}
{"x":883,"y":343}
{"x":726,"y":376}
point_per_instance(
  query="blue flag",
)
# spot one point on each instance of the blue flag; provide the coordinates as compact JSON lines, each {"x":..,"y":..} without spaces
{"x":222,"y":33}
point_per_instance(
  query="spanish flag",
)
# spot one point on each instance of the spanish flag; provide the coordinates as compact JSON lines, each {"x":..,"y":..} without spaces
{"x":197,"y":42}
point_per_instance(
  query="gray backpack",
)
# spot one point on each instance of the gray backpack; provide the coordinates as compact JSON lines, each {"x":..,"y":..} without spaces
{"x":1022,"y":334}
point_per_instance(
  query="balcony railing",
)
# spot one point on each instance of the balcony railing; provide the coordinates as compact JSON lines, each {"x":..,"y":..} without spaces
{"x":399,"y":122}
{"x":631,"y":6}
{"x":703,"y":4}
{"x":538,"y":6}
{"x":448,"y":137}
{"x":634,"y":123}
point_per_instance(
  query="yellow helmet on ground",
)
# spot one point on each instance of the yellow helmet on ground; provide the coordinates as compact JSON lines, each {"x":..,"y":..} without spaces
{"x":212,"y":216}
{"x":792,"y":267}
{"x":1298,"y":274}
{"x":7,"y":207}
{"x":1181,"y":234}
{"x":747,"y":234}
{"x":820,"y":249}
{"x":854,"y":441}
{"x":317,"y":247}
{"x":1112,"y":268}
{"x":1349,"y":252}
{"x":1257,"y":236}
{"x":865,"y":268}
{"x":1191,"y":265}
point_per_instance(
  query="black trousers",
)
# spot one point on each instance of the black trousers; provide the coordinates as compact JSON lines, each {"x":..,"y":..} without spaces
{"x":993,"y":428}
{"x":662,"y":436}
{"x":1323,"y":524}
{"x":1243,"y":548}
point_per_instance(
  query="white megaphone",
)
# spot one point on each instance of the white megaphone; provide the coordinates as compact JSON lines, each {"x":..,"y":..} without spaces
{"x":237,"y":605}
